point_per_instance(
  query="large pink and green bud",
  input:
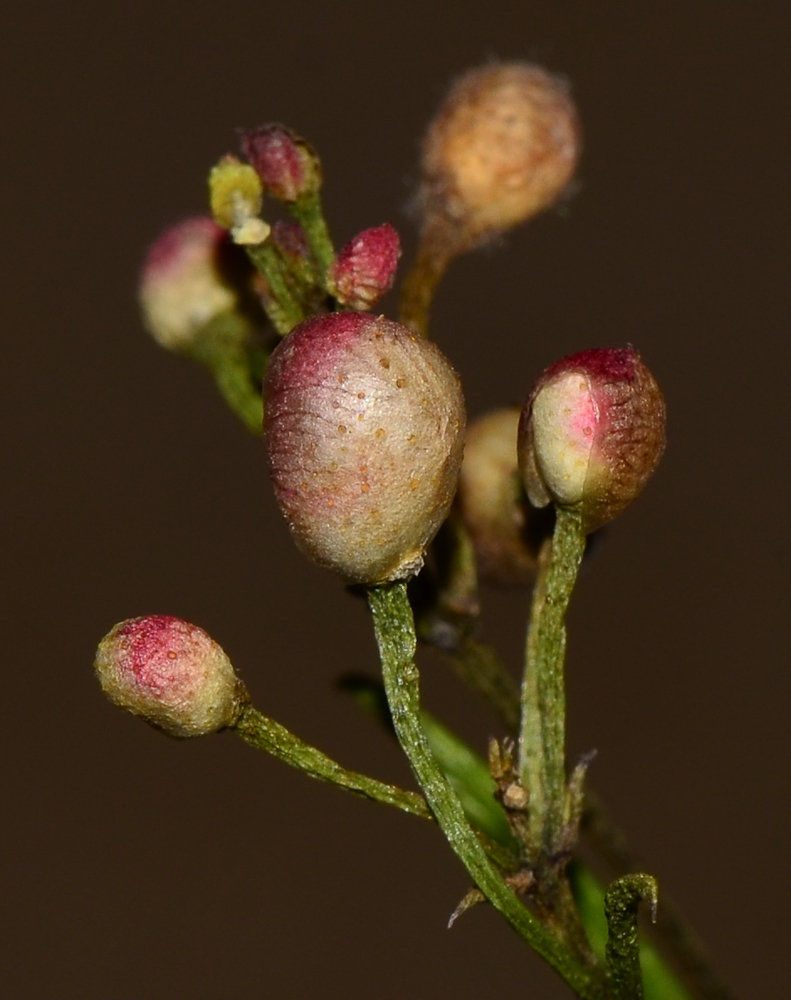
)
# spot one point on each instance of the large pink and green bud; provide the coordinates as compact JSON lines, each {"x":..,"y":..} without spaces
{"x":503,"y":147}
{"x":591,"y":433}
{"x":364,"y":428}
{"x":170,"y":673}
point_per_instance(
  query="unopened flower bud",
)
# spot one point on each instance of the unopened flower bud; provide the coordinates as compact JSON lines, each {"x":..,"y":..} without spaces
{"x":184,"y":283}
{"x":235,"y":196}
{"x":591,"y":433}
{"x":365,"y":268}
{"x":364,"y":427}
{"x":502,"y":148}
{"x":285,"y":162}
{"x":492,"y":502}
{"x":171,"y":673}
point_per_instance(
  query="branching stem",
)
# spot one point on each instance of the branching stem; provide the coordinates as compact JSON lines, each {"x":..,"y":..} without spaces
{"x":395,"y":633}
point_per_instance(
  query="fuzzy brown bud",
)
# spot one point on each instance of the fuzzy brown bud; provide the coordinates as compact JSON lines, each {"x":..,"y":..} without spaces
{"x":364,"y":428}
{"x":502,"y":148}
{"x":171,"y":673}
{"x":492,"y":502}
{"x":365,"y":268}
{"x":591,"y":433}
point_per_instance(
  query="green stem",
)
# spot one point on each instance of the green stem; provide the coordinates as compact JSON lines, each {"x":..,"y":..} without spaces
{"x":266,"y":734}
{"x":660,"y":982}
{"x":282,"y":308}
{"x":395,"y":635}
{"x":233,"y":381}
{"x":478,"y":665}
{"x":542,"y":739}
{"x":308,"y":212}
{"x":624,"y":977}
{"x":225,"y":346}
{"x":420,"y":282}
{"x":671,"y":929}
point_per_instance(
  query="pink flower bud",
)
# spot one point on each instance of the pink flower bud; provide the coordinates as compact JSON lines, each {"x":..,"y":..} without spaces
{"x":171,"y":673}
{"x":502,"y":148}
{"x":365,"y":268}
{"x":183,"y":284}
{"x":285,"y":162}
{"x":492,"y":503}
{"x":364,"y":426}
{"x":591,"y":433}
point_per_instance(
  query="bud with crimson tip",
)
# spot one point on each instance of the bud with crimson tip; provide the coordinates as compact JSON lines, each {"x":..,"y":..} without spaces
{"x":286,"y":163}
{"x":365,"y":268}
{"x":591,"y":433}
{"x":170,"y":673}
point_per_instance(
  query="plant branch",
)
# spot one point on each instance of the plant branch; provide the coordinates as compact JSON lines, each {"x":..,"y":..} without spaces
{"x":542,"y":737}
{"x":395,"y":635}
{"x":265,"y":734}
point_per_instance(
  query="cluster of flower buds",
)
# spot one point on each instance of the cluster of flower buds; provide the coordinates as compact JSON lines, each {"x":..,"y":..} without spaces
{"x":502,"y":148}
{"x":364,"y":428}
{"x":170,"y":673}
{"x":591,"y":433}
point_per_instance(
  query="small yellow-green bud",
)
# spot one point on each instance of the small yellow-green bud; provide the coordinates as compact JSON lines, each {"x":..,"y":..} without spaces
{"x":170,"y":673}
{"x":235,"y":196}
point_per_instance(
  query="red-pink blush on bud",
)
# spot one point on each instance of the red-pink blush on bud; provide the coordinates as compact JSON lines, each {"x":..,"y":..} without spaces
{"x":364,"y":428}
{"x":169,"y":672}
{"x":591,"y":433}
{"x":181,"y":284}
{"x":180,"y":245}
{"x":275,"y":156}
{"x":365,"y":268}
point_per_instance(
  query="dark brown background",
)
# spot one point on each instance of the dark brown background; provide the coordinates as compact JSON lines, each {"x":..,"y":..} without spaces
{"x":135,"y":866}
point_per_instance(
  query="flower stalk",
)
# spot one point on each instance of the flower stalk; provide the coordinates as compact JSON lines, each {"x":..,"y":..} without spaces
{"x":395,"y":634}
{"x":542,"y":750}
{"x":265,"y":734}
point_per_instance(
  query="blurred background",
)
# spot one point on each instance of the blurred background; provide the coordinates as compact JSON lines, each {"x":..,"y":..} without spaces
{"x":138,"y":866}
